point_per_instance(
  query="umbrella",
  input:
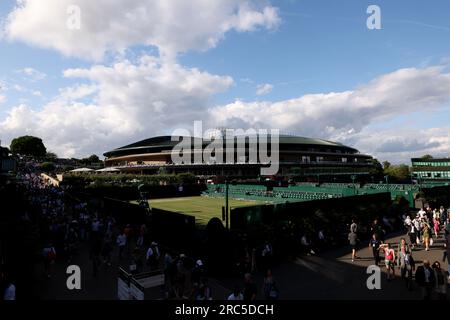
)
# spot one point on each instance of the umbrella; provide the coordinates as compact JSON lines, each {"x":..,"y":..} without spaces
{"x":82,"y":170}
{"x":108,"y":170}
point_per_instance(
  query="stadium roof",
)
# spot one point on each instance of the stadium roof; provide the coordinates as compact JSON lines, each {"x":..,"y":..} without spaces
{"x":166,"y":141}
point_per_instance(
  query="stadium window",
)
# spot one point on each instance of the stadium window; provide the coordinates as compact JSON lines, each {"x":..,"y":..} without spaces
{"x":344,"y":159}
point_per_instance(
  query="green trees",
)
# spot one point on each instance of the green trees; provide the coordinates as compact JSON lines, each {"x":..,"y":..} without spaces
{"x":377,"y":169}
{"x":47,"y":166}
{"x":28,"y":146}
{"x":93,"y":159}
{"x":51,"y":156}
{"x":399,"y":172}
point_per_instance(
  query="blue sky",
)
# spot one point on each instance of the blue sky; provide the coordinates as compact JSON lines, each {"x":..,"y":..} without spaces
{"x":311,"y":48}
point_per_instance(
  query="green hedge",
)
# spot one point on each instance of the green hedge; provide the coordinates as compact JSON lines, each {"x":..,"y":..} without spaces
{"x":101,"y":180}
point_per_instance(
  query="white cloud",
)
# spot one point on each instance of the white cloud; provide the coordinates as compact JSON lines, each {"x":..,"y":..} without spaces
{"x":339,"y":114}
{"x":2,"y":89}
{"x":19,"y":88}
{"x":124,"y":102}
{"x":173,"y":26}
{"x":346,"y":116}
{"x":32,"y":74}
{"x":399,"y":145}
{"x":263,"y":89}
{"x":128,"y":101}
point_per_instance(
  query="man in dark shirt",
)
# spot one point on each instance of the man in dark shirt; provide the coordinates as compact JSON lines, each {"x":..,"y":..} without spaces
{"x":425,"y":279}
{"x":374,"y":244}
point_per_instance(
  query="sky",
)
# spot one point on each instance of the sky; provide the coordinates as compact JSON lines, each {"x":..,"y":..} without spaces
{"x":90,"y":76}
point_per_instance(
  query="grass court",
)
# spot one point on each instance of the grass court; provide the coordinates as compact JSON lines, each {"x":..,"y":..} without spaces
{"x":202,"y":208}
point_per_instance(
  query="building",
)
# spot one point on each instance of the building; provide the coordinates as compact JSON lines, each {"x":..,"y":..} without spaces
{"x":431,"y":169}
{"x":7,"y":163}
{"x":303,"y":157}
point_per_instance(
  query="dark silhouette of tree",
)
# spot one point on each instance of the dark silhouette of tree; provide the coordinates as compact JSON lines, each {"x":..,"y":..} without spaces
{"x":28,"y":146}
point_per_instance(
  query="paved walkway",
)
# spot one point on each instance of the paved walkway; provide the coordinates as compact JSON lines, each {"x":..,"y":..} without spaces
{"x":332,"y":275}
{"x":100,"y":287}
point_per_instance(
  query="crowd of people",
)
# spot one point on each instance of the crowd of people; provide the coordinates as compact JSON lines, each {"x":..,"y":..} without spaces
{"x":70,"y":227}
{"x":423,"y":230}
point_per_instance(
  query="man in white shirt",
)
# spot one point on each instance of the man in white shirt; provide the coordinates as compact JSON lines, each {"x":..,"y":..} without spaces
{"x":421,"y":213}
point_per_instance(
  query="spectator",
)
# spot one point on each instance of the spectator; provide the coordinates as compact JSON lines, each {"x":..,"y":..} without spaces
{"x":389,"y":258}
{"x":440,"y":286}
{"x":447,"y":257}
{"x":374,"y":245}
{"x":121,"y":242}
{"x":9,"y":292}
{"x":353,"y":240}
{"x":426,"y":235}
{"x":249,"y":288}
{"x":425,"y":279}
{"x":270,"y":288}
{"x":405,"y":263}
{"x":197,"y":272}
{"x":49,"y":256}
{"x":236,"y":295}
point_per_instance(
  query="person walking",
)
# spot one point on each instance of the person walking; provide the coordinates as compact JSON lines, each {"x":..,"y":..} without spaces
{"x":354,"y":226}
{"x":374,"y":244}
{"x":353,"y":240}
{"x":447,"y":257}
{"x":436,"y":227}
{"x":270,"y":288}
{"x":440,"y":286}
{"x":121,"y":242}
{"x":250,"y":288}
{"x":405,"y":262}
{"x":426,"y":235}
{"x":425,"y":279}
{"x":49,"y":255}
{"x":418,"y":229}
{"x":389,"y":258}
{"x":412,"y":233}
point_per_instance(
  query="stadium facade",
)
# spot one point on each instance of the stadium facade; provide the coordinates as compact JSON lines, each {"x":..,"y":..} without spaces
{"x":298,"y":156}
{"x":431,"y":169}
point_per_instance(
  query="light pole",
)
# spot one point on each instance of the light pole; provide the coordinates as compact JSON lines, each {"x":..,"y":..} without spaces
{"x":387,"y":183}
{"x":226,"y":204}
{"x":353,"y":181}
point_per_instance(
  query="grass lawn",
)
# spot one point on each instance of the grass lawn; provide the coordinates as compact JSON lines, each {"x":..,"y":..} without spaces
{"x":202,"y":208}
